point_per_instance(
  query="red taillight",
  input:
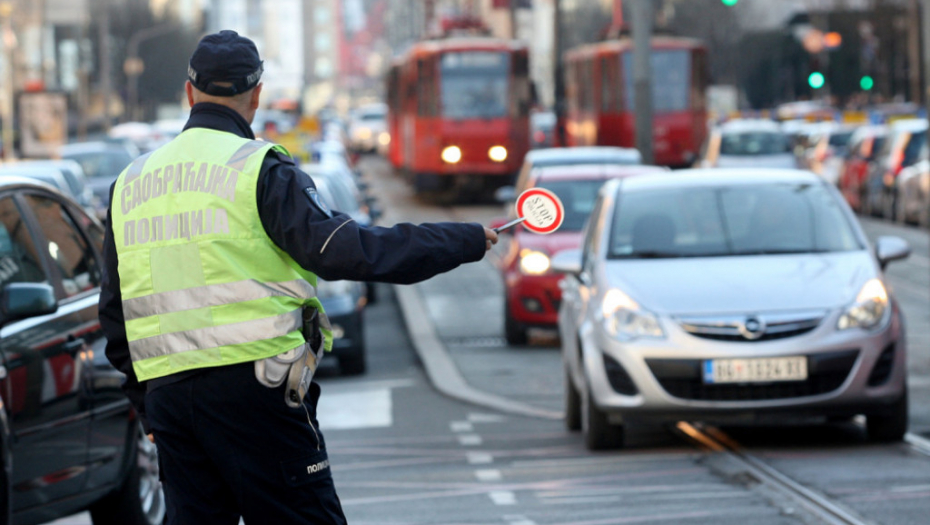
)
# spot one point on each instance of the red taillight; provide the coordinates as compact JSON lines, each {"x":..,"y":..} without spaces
{"x":539,"y":136}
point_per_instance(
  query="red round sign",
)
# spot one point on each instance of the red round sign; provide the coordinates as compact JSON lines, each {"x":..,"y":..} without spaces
{"x":541,"y":210}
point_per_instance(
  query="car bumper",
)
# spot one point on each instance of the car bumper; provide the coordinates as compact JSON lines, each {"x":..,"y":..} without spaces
{"x":534,"y":299}
{"x":850,"y":372}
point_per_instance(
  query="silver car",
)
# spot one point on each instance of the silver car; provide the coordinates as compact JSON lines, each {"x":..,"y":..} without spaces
{"x":729,"y":295}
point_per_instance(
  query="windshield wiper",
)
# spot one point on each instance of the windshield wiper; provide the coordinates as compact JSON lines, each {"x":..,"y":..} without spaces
{"x":780,"y":251}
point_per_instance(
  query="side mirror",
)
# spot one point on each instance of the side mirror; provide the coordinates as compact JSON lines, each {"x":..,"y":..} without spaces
{"x":567,"y":262}
{"x":888,"y":249}
{"x":505,"y":194}
{"x":24,"y":300}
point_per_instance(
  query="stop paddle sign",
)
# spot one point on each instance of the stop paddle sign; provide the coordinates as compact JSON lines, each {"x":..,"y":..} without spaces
{"x":540,"y":210}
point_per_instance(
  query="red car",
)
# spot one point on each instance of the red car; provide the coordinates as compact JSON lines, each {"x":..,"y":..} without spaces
{"x":532,"y":292}
{"x":864,"y":146}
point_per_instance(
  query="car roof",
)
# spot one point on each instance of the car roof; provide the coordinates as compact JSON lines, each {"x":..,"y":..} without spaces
{"x":910,"y":124}
{"x":718,"y":177}
{"x":583,"y":155}
{"x":89,"y":147}
{"x":740,"y":125}
{"x":592,"y":171}
{"x":10,"y":181}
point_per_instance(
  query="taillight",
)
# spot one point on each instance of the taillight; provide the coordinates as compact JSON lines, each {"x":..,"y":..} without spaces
{"x":539,"y":136}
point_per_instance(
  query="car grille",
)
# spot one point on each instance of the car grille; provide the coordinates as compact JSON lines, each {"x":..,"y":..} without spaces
{"x":682,"y":378}
{"x":766,"y":327}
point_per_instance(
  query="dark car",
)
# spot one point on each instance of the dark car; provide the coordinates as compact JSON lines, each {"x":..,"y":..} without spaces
{"x":102,"y":163}
{"x":344,"y":301}
{"x":69,"y":440}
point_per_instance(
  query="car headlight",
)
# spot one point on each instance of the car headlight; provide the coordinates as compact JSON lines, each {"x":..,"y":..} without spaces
{"x":384,"y":138}
{"x":327,"y":289}
{"x":497,"y":153}
{"x":533,"y":262}
{"x":869,"y":309}
{"x":626,"y":320}
{"x":363,"y":133}
{"x":451,"y":154}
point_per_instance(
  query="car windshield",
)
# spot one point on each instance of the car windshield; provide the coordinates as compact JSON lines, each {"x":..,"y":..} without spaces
{"x":757,"y":219}
{"x":749,"y":143}
{"x":840,"y":140}
{"x":102,"y":163}
{"x":474,"y":84}
{"x":577,"y":196}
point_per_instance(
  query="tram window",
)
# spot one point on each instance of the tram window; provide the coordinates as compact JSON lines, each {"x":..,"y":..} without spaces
{"x":426,"y":88}
{"x":671,"y":79}
{"x":607,"y":87}
{"x":474,"y":84}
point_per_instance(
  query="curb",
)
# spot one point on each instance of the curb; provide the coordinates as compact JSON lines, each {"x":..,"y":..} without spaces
{"x":440,"y":367}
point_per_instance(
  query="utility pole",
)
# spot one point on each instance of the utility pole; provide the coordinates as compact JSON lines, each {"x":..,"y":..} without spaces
{"x":9,"y":40}
{"x":642,"y":11}
{"x":559,"y":81}
{"x":103,"y":35}
{"x":913,"y":52}
{"x":512,"y":11}
{"x":925,"y":29}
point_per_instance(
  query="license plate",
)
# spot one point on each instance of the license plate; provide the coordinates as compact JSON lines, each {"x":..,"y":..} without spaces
{"x":757,"y":370}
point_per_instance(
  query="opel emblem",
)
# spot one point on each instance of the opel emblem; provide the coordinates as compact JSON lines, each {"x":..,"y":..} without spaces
{"x":752,"y":328}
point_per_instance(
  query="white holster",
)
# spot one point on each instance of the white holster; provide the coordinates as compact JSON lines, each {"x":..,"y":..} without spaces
{"x":295,"y":366}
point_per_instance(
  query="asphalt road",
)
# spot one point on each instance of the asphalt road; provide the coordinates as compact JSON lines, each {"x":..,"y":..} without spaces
{"x":404,"y":454}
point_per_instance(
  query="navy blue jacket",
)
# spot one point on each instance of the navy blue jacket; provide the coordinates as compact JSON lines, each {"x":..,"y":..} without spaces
{"x":403,"y":254}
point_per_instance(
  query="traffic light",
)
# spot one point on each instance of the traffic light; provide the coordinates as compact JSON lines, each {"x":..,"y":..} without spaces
{"x":816,"y":80}
{"x":866,"y":83}
{"x":729,"y":3}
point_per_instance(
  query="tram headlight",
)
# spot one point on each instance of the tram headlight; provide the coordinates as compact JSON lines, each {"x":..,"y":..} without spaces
{"x":451,"y":154}
{"x":497,"y":153}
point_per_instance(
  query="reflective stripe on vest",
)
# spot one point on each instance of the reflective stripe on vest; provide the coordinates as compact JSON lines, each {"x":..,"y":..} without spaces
{"x":201,"y":282}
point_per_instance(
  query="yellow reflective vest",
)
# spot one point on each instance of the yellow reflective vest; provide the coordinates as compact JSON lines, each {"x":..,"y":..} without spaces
{"x":202,"y":283}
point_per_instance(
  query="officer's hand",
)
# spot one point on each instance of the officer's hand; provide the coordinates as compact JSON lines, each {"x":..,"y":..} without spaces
{"x":151,"y":437}
{"x":490,"y":237}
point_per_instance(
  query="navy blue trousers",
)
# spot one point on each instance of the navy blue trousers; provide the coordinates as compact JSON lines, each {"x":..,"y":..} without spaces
{"x":230,"y":447}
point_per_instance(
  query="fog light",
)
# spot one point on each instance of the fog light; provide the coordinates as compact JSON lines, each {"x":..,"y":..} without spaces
{"x":451,"y":154}
{"x":338,"y":332}
{"x":532,"y":305}
{"x":497,"y":153}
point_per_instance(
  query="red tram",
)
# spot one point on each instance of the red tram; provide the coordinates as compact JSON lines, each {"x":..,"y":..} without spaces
{"x":458,"y":112}
{"x":600,"y":96}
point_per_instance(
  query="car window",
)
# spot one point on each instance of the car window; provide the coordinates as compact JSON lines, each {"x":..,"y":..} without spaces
{"x":577,"y":197}
{"x":67,"y":247}
{"x":19,"y":260}
{"x":753,"y":143}
{"x":726,"y":221}
{"x":591,"y":236}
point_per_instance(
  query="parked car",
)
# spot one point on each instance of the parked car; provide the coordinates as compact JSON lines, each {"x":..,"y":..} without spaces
{"x":531,"y":288}
{"x":914,"y":191}
{"x":827,"y":146}
{"x":343,"y":301}
{"x":747,"y":143}
{"x":102,"y":163}
{"x":73,"y":173}
{"x":719,"y":294}
{"x":901,"y":149}
{"x":71,"y":441}
{"x":864,"y":145}
{"x":368,"y":128}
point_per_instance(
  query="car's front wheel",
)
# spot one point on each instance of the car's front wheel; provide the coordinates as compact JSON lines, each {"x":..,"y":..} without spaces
{"x":890,"y":425}
{"x":141,"y":499}
{"x":599,"y":432}
{"x":514,"y":331}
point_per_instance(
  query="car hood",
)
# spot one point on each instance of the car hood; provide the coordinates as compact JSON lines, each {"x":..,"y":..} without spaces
{"x":550,"y":244}
{"x":782,"y":160}
{"x":715,"y":285}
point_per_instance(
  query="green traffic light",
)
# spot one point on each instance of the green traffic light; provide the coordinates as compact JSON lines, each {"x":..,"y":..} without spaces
{"x":730,"y":3}
{"x":867,"y":83}
{"x":816,"y":80}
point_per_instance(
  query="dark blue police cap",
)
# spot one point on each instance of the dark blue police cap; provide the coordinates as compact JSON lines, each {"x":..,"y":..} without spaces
{"x":225,"y":57}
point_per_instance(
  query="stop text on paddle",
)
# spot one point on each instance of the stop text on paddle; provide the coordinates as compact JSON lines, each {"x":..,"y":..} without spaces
{"x":540,"y":211}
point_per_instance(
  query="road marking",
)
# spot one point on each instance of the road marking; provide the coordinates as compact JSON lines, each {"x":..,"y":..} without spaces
{"x":491,"y":474}
{"x":503,"y":497}
{"x":516,"y":519}
{"x":353,"y":410}
{"x":478,"y":417}
{"x":479,"y":458}
{"x":461,"y":426}
{"x":470,"y":440}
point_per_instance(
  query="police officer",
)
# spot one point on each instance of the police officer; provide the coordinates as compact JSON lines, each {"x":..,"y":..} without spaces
{"x":213,"y":245}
